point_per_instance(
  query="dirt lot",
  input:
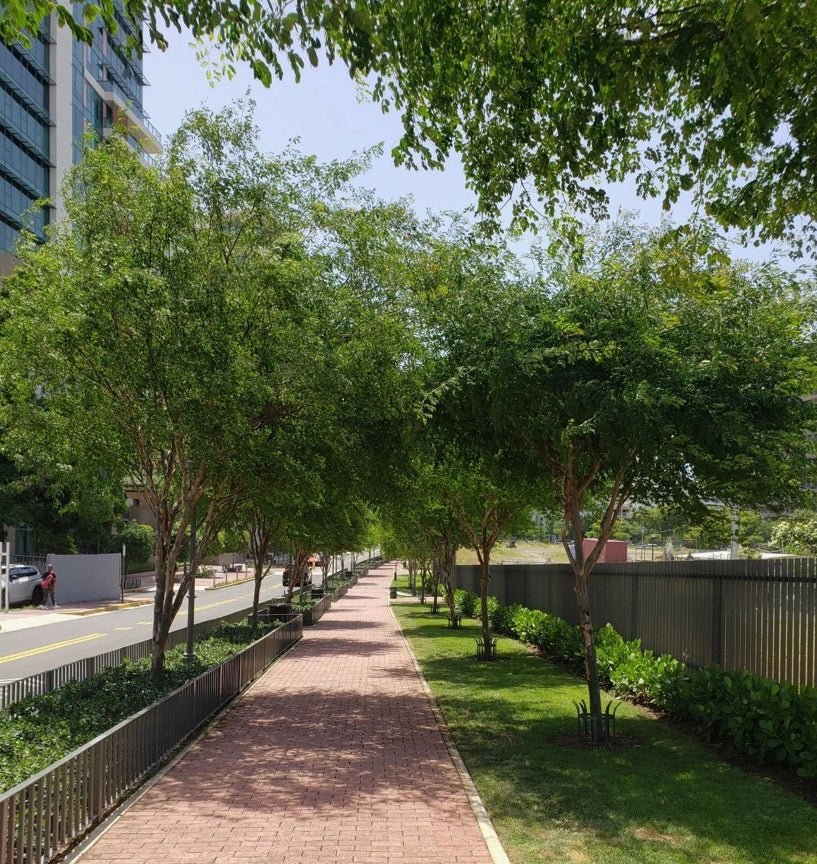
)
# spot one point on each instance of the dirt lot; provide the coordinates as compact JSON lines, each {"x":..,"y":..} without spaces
{"x":524,"y":552}
{"x":534,"y":552}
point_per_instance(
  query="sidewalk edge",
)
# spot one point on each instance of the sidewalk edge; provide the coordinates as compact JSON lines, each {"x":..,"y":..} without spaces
{"x":75,"y":853}
{"x":486,"y":826}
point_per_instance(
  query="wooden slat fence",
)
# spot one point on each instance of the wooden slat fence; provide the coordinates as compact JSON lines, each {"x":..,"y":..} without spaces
{"x":759,"y":616}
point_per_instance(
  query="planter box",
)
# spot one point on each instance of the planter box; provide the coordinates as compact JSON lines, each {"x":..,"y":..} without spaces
{"x":315,"y":613}
{"x":91,"y":782}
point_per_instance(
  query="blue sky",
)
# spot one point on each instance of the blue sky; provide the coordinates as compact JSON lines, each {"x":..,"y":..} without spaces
{"x":325,"y":112}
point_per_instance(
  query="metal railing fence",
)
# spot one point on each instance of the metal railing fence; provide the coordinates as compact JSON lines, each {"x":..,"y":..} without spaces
{"x":757,"y":616}
{"x":320,"y":608}
{"x":79,"y":670}
{"x":46,"y":814}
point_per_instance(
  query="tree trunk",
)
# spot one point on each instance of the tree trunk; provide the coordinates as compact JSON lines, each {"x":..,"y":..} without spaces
{"x":259,"y":546}
{"x":163,"y":614}
{"x":256,"y":596}
{"x":484,"y":580}
{"x":423,"y":573}
{"x":326,"y":558}
{"x":161,"y":599}
{"x":436,"y":579}
{"x":167,"y":600}
{"x":446,"y":566}
{"x":591,"y":667}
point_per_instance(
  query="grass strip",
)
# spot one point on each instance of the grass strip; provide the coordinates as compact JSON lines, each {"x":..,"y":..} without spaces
{"x":655,"y":797}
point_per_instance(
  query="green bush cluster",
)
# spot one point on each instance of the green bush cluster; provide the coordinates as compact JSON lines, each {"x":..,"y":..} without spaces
{"x":500,"y":618}
{"x":628,"y":670}
{"x":766,"y":719}
{"x":303,"y":602}
{"x":39,"y":730}
{"x":466,"y":602}
{"x":551,"y":635}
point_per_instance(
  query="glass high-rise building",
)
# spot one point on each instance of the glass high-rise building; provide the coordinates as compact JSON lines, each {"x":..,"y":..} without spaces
{"x":51,"y":95}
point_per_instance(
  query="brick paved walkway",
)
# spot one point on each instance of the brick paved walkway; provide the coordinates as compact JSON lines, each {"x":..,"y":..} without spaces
{"x":333,"y":757}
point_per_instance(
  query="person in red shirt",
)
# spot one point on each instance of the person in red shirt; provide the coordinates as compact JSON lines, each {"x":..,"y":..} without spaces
{"x":50,"y":588}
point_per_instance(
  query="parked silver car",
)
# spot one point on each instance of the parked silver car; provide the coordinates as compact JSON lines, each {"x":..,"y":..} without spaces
{"x":25,"y":584}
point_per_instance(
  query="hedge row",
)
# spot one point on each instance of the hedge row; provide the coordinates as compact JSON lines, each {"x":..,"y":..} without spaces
{"x":39,"y":730}
{"x":767,"y":719}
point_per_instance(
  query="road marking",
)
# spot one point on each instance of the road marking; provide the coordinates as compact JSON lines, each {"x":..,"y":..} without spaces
{"x":123,"y":628}
{"x":45,"y":648}
{"x":222,"y":602}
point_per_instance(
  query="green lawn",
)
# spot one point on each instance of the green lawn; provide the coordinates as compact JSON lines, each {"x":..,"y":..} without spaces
{"x":659,"y":798}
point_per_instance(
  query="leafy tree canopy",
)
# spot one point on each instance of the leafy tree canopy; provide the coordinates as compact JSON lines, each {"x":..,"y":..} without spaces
{"x":796,"y":534}
{"x":162,"y":332}
{"x":637,"y":366}
{"x":544,"y":100}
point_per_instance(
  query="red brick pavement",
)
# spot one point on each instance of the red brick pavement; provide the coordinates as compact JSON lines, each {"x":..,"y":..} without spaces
{"x":333,"y":757}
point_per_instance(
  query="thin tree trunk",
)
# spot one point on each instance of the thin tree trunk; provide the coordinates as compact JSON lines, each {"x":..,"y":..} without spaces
{"x":446,"y":566}
{"x":435,"y":571}
{"x":484,"y":581}
{"x":591,"y":667}
{"x":256,"y":596}
{"x":573,"y":491}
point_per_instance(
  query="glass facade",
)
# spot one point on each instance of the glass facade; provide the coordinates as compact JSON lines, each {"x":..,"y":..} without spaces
{"x":106,"y":89}
{"x":25,"y":134}
{"x":117,"y":75}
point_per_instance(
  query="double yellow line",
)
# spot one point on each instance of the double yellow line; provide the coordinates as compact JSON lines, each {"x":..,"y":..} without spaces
{"x":52,"y":647}
{"x":55,"y":645}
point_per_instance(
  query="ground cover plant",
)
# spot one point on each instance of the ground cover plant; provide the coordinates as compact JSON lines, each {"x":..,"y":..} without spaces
{"x":40,"y":730}
{"x":654,"y":796}
{"x":770,"y":721}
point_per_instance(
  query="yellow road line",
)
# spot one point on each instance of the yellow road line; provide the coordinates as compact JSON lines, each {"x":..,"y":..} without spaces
{"x":220,"y":603}
{"x":123,"y":628}
{"x":52,"y":647}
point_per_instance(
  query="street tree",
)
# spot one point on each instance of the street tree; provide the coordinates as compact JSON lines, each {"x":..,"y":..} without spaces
{"x":158,"y":332}
{"x":488,"y":509}
{"x":332,"y":458}
{"x":424,"y":523}
{"x":263,"y":532}
{"x":796,"y":534}
{"x":66,"y":508}
{"x":464,"y":287}
{"x":639,"y":369}
{"x":714,"y":98}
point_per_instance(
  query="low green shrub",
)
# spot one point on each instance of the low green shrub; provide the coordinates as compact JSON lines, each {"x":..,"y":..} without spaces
{"x":303,"y":602}
{"x":39,"y":730}
{"x":466,"y":602}
{"x":766,"y":719}
{"x":553,"y":636}
{"x":633,"y":672}
{"x":499,"y":618}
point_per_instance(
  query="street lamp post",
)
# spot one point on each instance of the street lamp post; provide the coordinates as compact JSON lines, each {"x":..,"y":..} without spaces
{"x":122,"y":575}
{"x":190,"y":654}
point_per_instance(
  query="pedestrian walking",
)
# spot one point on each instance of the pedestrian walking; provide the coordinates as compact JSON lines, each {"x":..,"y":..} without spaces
{"x":50,"y":588}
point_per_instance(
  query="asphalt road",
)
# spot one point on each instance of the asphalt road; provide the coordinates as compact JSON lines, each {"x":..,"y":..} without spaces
{"x":37,"y":640}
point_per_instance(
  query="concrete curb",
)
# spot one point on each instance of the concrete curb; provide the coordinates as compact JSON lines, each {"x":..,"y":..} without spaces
{"x":486,"y":826}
